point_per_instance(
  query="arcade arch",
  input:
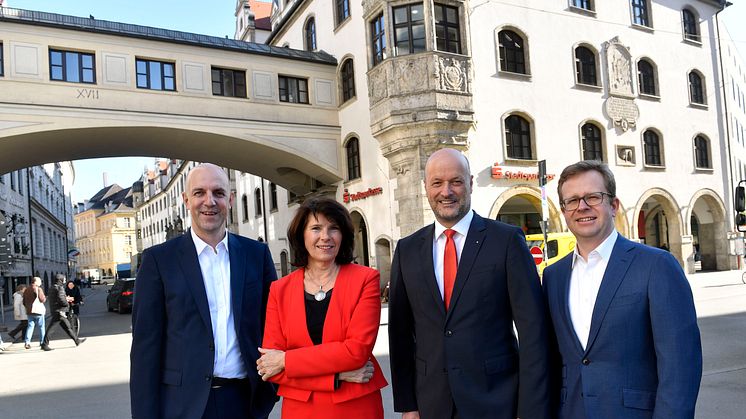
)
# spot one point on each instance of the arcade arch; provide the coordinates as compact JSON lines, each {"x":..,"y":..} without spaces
{"x":657,"y":223}
{"x":707,"y":226}
{"x":521,"y":206}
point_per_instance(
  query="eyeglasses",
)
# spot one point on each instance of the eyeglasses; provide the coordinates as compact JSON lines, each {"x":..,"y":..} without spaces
{"x":592,"y":199}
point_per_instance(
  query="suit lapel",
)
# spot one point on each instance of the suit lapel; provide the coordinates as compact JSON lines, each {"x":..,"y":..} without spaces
{"x":619,"y":262}
{"x":564,"y":276}
{"x":474,"y":240}
{"x":193,"y":274}
{"x":428,"y":271}
{"x":297,"y":316}
{"x":236,"y":254}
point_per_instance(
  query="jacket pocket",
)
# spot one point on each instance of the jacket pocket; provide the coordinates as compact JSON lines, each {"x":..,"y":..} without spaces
{"x":171,"y":377}
{"x":625,"y":300}
{"x":638,"y":399}
{"x":501,"y":363}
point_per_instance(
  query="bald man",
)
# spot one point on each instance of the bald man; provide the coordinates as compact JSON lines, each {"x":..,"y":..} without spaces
{"x":457,"y":288}
{"x":198,"y":315}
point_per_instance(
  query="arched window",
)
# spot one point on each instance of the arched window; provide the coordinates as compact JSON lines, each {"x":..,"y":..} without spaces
{"x":512,"y":53}
{"x":696,"y":88}
{"x":309,"y":32}
{"x":245,"y":207}
{"x":518,"y":138}
{"x":347,"y":76}
{"x":273,"y":196}
{"x":702,"y":153}
{"x":585,"y":66}
{"x":652,"y":148}
{"x":258,"y":202}
{"x":284,"y":266}
{"x":353,"y":158}
{"x":691,"y":25}
{"x":646,"y":77}
{"x":591,"y":142}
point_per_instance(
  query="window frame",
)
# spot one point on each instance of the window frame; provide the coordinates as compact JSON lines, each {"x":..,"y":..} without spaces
{"x":147,"y":74}
{"x":524,"y":136}
{"x":580,"y":67}
{"x":647,"y":135}
{"x":63,"y":65}
{"x":378,"y":39}
{"x":653,"y":82}
{"x":273,"y":196}
{"x":222,"y":80}
{"x":347,"y":79}
{"x":505,"y":53}
{"x":245,"y":207}
{"x":288,"y":80}
{"x":702,"y":152}
{"x":697,"y":94}
{"x":584,"y":5}
{"x":341,"y":11}
{"x":694,"y":36}
{"x":641,"y":13}
{"x":408,"y":24}
{"x":597,"y":142}
{"x":309,"y":34}
{"x":258,"y":207}
{"x":352,"y":154}
{"x":446,"y":25}
{"x":2,"y":61}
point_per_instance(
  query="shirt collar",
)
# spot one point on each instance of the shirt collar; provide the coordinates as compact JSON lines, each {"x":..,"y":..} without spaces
{"x":461,"y":227}
{"x":603,"y":250}
{"x":200,"y":244}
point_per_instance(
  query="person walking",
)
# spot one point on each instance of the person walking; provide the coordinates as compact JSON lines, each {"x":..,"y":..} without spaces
{"x":59,"y":304}
{"x":33,"y":302}
{"x":19,"y":313}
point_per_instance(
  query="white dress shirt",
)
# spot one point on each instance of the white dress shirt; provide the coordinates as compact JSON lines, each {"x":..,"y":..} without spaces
{"x":216,"y":274}
{"x":439,"y":244}
{"x":585,"y":282}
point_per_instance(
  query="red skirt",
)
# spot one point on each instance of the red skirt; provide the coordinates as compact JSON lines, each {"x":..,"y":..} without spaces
{"x":321,"y":406}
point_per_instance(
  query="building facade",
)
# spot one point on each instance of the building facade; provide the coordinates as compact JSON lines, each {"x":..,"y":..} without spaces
{"x":14,"y":209}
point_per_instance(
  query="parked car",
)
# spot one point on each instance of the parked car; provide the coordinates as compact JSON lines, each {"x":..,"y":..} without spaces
{"x":106,"y":280}
{"x":558,"y":245}
{"x":121,"y":295}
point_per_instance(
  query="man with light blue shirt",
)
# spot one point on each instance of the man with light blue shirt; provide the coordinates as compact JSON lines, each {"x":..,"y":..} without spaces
{"x":198,"y":315}
{"x":623,"y":314}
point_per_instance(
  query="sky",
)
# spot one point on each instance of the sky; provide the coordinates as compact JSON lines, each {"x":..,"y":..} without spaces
{"x":208,"y":17}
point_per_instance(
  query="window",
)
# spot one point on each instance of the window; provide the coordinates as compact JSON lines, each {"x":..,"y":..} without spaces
{"x":702,"y":153}
{"x":74,"y":67}
{"x":348,"y":80}
{"x":512,"y":56}
{"x":258,"y":202}
{"x":309,"y":35}
{"x":343,"y":10}
{"x":352,"y":149}
{"x":2,"y":72}
{"x":447,"y":31}
{"x":518,"y":138}
{"x":652,"y":148}
{"x":273,"y":196}
{"x":640,"y":13}
{"x":245,"y":207}
{"x":293,"y":90}
{"x":583,"y":4}
{"x":696,"y":88}
{"x":378,"y":39}
{"x":585,"y":66}
{"x":691,"y":26}
{"x":155,"y":75}
{"x":230,"y":83}
{"x":591,"y":142}
{"x":409,"y":29}
{"x":646,"y":77}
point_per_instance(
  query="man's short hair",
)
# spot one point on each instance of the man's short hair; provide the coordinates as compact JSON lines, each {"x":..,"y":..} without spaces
{"x":335,"y":213}
{"x":59,"y":279}
{"x":586,"y":166}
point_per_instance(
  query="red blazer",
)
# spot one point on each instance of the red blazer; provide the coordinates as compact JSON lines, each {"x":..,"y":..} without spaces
{"x":350,"y":331}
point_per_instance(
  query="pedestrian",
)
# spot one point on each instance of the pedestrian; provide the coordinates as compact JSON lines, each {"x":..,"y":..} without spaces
{"x":59,"y":304}
{"x":623,"y":314}
{"x":332,"y":375}
{"x":33,"y":301}
{"x":198,"y":315}
{"x":72,"y":290}
{"x":457,"y":288}
{"x":19,"y":313}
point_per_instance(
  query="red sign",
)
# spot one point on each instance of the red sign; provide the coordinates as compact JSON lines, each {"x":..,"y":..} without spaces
{"x":500,"y":173}
{"x":537,"y":254}
{"x":347,"y":196}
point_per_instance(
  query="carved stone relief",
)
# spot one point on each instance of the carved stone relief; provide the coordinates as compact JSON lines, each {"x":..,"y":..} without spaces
{"x":620,"y":106}
{"x":625,"y":155}
{"x":622,"y":111}
{"x":452,"y":74}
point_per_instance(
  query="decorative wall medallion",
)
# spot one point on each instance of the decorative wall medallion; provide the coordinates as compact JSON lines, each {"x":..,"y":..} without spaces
{"x":622,"y":111}
{"x":451,"y":74}
{"x":625,"y":155}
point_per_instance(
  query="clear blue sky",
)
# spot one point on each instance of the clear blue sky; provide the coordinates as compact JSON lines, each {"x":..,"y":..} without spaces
{"x":209,"y":17}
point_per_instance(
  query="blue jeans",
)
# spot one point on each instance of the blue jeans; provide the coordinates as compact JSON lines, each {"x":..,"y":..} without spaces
{"x":35,"y":319}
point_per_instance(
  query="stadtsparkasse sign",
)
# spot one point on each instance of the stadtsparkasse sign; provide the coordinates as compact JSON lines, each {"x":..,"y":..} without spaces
{"x":347,"y":197}
{"x":500,"y":172}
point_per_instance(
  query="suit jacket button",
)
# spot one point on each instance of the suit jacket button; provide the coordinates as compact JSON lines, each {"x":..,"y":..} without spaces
{"x":585,"y":361}
{"x":449,"y":333}
{"x":208,"y":378}
{"x":212,"y":346}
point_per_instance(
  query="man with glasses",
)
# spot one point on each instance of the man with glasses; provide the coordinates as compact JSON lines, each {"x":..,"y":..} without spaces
{"x":623,"y":314}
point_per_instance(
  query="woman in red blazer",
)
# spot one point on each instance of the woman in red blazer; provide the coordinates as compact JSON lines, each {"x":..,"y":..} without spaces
{"x":322,"y":322}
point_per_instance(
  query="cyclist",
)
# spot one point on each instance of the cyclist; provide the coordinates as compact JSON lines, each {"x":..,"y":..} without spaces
{"x":72,"y":290}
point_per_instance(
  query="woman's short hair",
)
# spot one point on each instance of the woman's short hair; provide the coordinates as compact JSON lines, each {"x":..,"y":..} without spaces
{"x":20,"y":287}
{"x":335,"y":213}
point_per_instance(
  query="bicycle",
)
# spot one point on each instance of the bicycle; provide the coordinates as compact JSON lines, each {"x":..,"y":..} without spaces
{"x":743,"y":277}
{"x":74,"y":319}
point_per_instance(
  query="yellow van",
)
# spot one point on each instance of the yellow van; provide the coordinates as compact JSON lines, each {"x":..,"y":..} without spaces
{"x":558,"y":246}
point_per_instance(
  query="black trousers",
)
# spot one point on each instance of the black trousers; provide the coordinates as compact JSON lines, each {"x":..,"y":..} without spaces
{"x":20,"y":328}
{"x":230,"y":401}
{"x":57,"y":318}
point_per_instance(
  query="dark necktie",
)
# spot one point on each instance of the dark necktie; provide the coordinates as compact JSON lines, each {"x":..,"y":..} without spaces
{"x":450,"y":266}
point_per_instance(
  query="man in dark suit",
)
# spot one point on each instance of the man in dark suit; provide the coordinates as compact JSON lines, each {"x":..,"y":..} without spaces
{"x":198,"y":315}
{"x":623,"y":314}
{"x":457,"y":287}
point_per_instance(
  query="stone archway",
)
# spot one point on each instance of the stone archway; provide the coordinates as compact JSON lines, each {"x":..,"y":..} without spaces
{"x":383,"y":259}
{"x":706,"y":221}
{"x":657,"y":222}
{"x":360,"y":228}
{"x":521,"y":206}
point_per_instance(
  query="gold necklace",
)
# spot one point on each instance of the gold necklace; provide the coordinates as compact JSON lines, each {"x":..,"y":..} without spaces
{"x":320,"y":295}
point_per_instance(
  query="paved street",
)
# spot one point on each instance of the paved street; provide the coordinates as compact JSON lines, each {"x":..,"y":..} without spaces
{"x":91,"y":381}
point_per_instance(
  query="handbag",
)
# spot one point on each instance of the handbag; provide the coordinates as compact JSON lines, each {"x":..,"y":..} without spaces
{"x":37,"y":307}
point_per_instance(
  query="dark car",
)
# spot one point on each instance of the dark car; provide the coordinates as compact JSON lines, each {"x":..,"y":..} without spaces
{"x":121,"y":295}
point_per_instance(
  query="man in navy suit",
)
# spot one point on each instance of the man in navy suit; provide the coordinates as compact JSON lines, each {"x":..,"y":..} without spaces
{"x":198,"y":316}
{"x":623,"y":314}
{"x":453,"y":350}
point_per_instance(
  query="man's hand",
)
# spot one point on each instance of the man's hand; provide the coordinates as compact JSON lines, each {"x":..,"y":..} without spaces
{"x":271,"y":363}
{"x":360,"y":375}
{"x":411,"y":415}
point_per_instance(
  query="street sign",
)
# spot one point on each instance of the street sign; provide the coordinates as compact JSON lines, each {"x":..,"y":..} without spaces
{"x":538,"y":254}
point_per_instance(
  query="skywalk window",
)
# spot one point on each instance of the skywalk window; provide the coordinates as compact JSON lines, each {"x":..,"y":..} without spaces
{"x":155,"y":75}
{"x":293,"y":90}
{"x":71,"y":66}
{"x":231,"y":83}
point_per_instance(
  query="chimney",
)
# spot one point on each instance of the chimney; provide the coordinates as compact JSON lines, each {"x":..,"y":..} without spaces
{"x":106,"y":179}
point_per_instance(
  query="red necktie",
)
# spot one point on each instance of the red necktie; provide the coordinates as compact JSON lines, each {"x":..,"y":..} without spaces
{"x":450,"y":266}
